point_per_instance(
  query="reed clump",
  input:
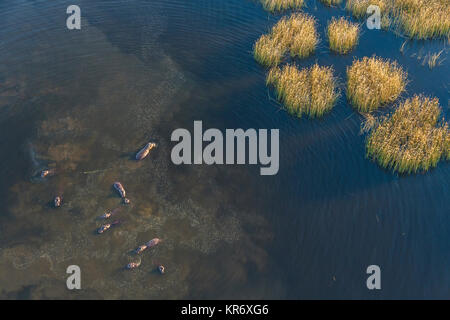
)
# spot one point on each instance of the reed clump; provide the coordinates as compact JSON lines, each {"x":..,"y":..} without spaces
{"x":373,"y":82}
{"x":331,"y":2}
{"x":312,"y":91}
{"x":358,"y":8}
{"x":268,"y":50}
{"x":295,"y":34}
{"x":422,"y":19}
{"x":281,"y":5}
{"x":432,"y":59}
{"x":342,"y":35}
{"x":419,"y":19}
{"x":411,"y":139}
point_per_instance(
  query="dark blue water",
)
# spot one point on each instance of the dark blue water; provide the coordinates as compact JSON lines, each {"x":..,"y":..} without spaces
{"x":84,"y":101}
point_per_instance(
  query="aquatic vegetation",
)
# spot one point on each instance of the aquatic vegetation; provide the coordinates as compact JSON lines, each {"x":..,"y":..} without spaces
{"x":403,"y":46}
{"x":386,"y":22}
{"x":331,"y":2}
{"x":447,"y":147}
{"x":312,"y":91}
{"x":372,"y":82}
{"x":296,"y":34}
{"x":268,"y":51}
{"x":342,"y":35}
{"x":411,"y":139}
{"x":433,"y":59}
{"x":370,"y":121}
{"x":422,"y":19}
{"x":358,"y":8}
{"x":419,"y":19}
{"x":281,"y":5}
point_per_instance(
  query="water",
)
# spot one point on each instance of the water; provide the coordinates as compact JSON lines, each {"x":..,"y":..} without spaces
{"x":83,"y":102}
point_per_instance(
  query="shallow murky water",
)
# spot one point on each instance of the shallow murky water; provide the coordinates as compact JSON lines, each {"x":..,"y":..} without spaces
{"x":83,"y":102}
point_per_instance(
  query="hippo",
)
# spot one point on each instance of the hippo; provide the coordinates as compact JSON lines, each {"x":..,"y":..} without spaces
{"x":133,"y":265}
{"x":148,"y":245}
{"x":161,"y":269}
{"x":105,"y":227}
{"x":57,"y":202}
{"x":118,"y":186}
{"x":145,"y":151}
{"x":140,"y":248}
{"x":108,"y":213}
{"x":47,"y":173}
{"x":153,"y":242}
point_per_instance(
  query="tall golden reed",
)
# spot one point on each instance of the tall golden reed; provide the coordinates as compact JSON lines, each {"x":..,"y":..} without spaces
{"x":281,"y":5}
{"x":411,"y":139}
{"x":331,"y":2}
{"x":373,"y":82}
{"x":295,"y":34}
{"x":312,"y":91}
{"x":342,"y":35}
{"x":419,"y":19}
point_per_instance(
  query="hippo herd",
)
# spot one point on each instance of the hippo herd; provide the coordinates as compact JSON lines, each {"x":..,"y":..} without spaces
{"x":57,"y":202}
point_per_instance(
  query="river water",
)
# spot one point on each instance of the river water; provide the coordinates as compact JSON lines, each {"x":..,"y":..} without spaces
{"x":84,"y":101}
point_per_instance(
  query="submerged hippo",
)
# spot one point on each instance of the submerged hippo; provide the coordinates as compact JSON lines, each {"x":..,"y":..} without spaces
{"x":161,"y":269}
{"x":57,"y":202}
{"x":108,"y":213}
{"x":145,"y":150}
{"x":147,"y":245}
{"x":47,"y":173}
{"x":105,"y":227}
{"x":140,"y":249}
{"x":153,"y":242}
{"x":119,"y":187}
{"x":133,"y":265}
